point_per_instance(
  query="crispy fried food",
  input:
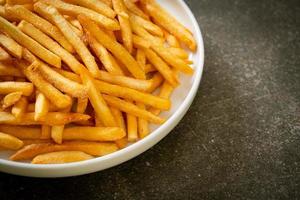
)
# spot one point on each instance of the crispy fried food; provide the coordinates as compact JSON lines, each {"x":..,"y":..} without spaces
{"x":61,"y":157}
{"x":10,"y":99}
{"x":11,"y":46}
{"x":11,"y":86}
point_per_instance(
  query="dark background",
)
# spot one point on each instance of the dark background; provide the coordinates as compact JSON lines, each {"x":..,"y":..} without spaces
{"x":241,"y":137}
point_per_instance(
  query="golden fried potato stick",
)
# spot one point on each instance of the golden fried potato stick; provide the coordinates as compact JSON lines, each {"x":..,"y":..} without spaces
{"x":10,"y":70}
{"x":132,"y":109}
{"x":161,"y":66}
{"x":70,"y":75}
{"x":10,"y":142}
{"x":114,"y":47}
{"x":4,"y":56}
{"x":132,"y":127}
{"x":171,"y":24}
{"x":100,"y":134}
{"x":53,"y":95}
{"x":123,"y":18}
{"x":146,"y":24}
{"x":135,"y":9}
{"x":178,"y":52}
{"x":81,"y":105}
{"x":102,"y":111}
{"x":71,"y":9}
{"x":92,"y":148}
{"x":23,"y":14}
{"x":22,"y":132}
{"x":79,"y":46}
{"x":11,"y":99}
{"x":103,"y":55}
{"x":141,"y":58}
{"x":133,"y":95}
{"x":12,"y":86}
{"x":56,"y":133}
{"x":143,"y":125}
{"x":51,"y":118}
{"x":118,"y":115}
{"x":95,"y":5}
{"x":41,"y":106}
{"x":107,"y":2}
{"x":35,"y":141}
{"x":11,"y":46}
{"x":29,"y":43}
{"x":14,"y":2}
{"x":172,"y":41}
{"x":20,"y":107}
{"x":61,"y":157}
{"x":52,"y":108}
{"x":65,"y":85}
{"x":149,"y":68}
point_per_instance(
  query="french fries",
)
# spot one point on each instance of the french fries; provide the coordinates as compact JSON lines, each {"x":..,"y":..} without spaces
{"x":29,"y":43}
{"x":10,"y":142}
{"x":61,"y":157}
{"x":83,"y":78}
{"x":11,"y":46}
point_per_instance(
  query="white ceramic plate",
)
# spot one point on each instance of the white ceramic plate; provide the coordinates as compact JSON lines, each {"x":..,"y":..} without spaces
{"x":181,"y":101}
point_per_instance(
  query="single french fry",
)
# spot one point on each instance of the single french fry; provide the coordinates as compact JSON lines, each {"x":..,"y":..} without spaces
{"x":171,"y":24}
{"x":71,"y":9}
{"x":9,"y":70}
{"x":11,"y":86}
{"x":21,"y":132}
{"x":125,"y":26}
{"x":11,"y":46}
{"x":56,"y":133}
{"x":51,"y":118}
{"x":102,"y":111}
{"x":29,"y":43}
{"x":132,"y":109}
{"x":41,"y":106}
{"x":4,"y":56}
{"x":119,"y":118}
{"x":23,"y":14}
{"x":133,"y":95}
{"x":103,"y":55}
{"x":6,"y":15}
{"x":35,"y":141}
{"x":69,"y":75}
{"x":132,"y":127}
{"x":79,"y":46}
{"x":53,"y":95}
{"x":10,"y":142}
{"x":135,"y":9}
{"x":95,"y":5}
{"x":156,"y":81}
{"x":143,"y":126}
{"x":161,"y":66}
{"x":139,"y":42}
{"x":141,"y":32}
{"x":92,"y":148}
{"x":52,"y":108}
{"x":165,"y":92}
{"x":45,"y":132}
{"x":10,"y":99}
{"x":114,"y":47}
{"x":20,"y":107}
{"x":14,"y":2}
{"x":61,"y":157}
{"x":141,"y":58}
{"x":81,"y":105}
{"x":148,"y":25}
{"x":101,"y":134}
{"x":70,"y":87}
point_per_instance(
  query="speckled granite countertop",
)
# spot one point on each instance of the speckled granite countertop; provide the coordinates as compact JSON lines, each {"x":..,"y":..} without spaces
{"x":241,"y":137}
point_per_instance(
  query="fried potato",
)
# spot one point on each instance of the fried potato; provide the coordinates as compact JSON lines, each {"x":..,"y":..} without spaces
{"x":45,"y":132}
{"x":11,"y":46}
{"x":4,"y":56}
{"x":41,"y":106}
{"x":71,"y":9}
{"x":9,"y":70}
{"x":61,"y":157}
{"x":10,"y":99}
{"x":14,"y":2}
{"x":10,"y":142}
{"x":20,"y":107}
{"x":143,"y":125}
{"x":81,"y":105}
{"x":22,"y":132}
{"x":56,"y":133}
{"x":92,"y":148}
{"x":146,"y":24}
{"x":11,"y":86}
{"x":135,"y":9}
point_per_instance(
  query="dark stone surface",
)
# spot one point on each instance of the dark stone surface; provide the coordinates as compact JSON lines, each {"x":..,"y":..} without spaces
{"x":241,"y":137}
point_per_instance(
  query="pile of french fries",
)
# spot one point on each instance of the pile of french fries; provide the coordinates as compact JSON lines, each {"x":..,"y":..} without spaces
{"x":77,"y":77}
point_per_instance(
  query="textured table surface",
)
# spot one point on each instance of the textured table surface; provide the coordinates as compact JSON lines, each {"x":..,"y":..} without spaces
{"x":241,"y":137}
